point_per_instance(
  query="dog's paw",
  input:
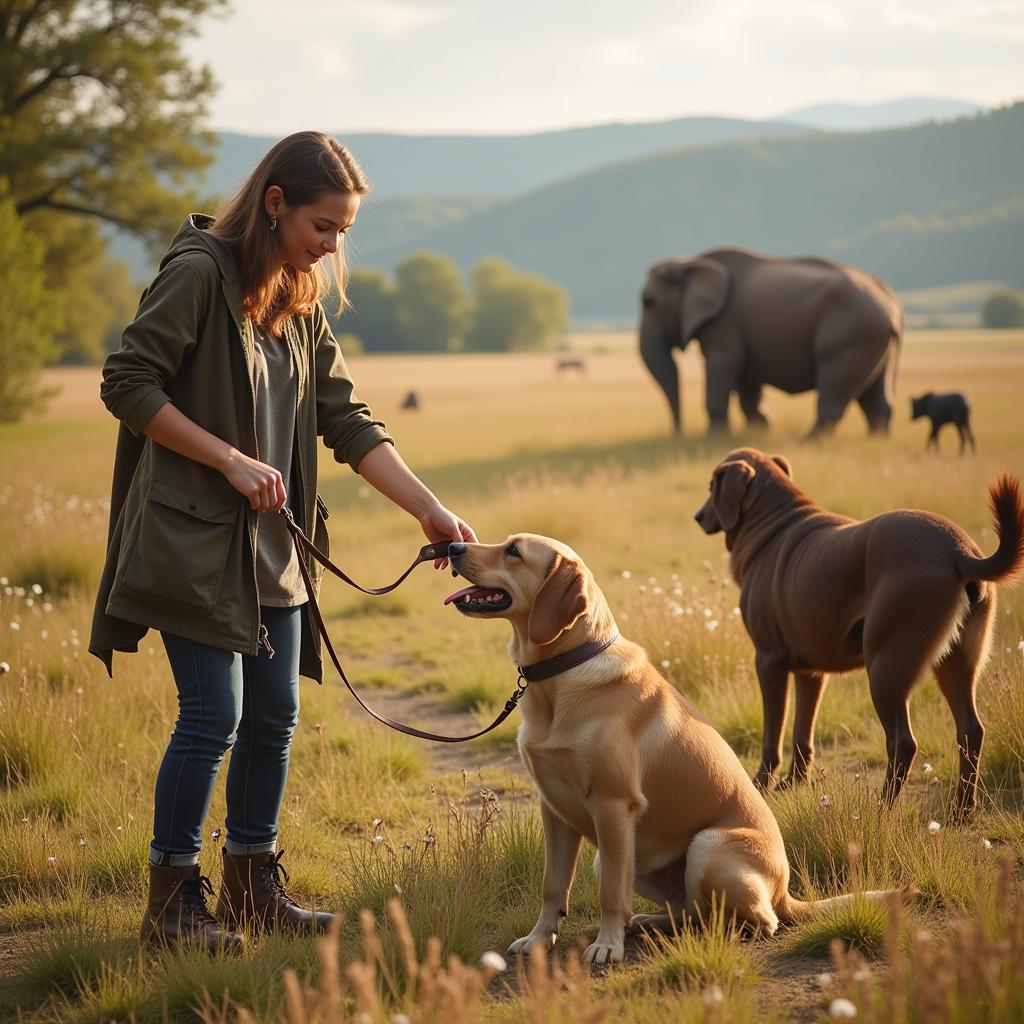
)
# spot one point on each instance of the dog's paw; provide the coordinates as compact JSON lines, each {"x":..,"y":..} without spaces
{"x":604,"y":952}
{"x":544,"y":939}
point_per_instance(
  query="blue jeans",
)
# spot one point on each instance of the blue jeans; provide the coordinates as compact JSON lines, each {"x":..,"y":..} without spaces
{"x":227,"y":699}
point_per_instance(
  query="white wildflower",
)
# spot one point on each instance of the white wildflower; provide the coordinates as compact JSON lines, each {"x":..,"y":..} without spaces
{"x":986,"y":843}
{"x":711,"y":625}
{"x":36,"y":589}
{"x":713,"y":996}
{"x":666,"y":663}
{"x":378,"y":838}
{"x":927,"y":769}
{"x":493,"y":961}
{"x":824,"y":979}
{"x":4,"y":668}
{"x":842,"y":1009}
{"x":626,"y":574}
{"x":15,"y":626}
{"x":825,"y":802}
{"x":377,"y":822}
{"x":934,"y":827}
{"x":81,"y":840}
{"x":51,"y":859}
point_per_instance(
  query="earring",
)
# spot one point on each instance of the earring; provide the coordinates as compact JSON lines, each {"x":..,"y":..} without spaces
{"x":273,"y":223}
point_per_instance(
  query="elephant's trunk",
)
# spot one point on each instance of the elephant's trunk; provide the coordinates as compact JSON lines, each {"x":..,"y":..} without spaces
{"x":656,"y":350}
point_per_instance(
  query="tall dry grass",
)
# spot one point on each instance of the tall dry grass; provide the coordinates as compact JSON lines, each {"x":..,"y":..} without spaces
{"x":512,"y":448}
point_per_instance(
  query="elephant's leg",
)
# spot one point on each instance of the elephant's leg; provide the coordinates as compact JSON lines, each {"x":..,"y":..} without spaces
{"x":723,"y":375}
{"x":750,"y":401}
{"x":875,"y":403}
{"x":848,"y":364}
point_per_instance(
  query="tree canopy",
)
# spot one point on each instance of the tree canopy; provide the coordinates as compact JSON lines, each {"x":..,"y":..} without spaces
{"x":1003,"y":309}
{"x":100,"y":110}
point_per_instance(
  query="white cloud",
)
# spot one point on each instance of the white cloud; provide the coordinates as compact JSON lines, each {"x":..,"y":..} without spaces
{"x":329,"y":61}
{"x":488,"y":66}
{"x":391,"y":17}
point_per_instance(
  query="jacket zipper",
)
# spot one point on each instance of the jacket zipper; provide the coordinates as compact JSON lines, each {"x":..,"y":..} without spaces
{"x":262,"y":636}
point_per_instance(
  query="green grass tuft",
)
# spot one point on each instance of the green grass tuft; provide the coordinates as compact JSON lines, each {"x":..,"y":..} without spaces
{"x":860,"y":925}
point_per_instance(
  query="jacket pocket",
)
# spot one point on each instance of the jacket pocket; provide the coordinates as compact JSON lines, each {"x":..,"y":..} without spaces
{"x":182,"y":547}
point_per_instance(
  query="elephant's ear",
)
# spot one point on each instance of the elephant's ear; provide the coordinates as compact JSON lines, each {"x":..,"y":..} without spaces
{"x":704,"y":291}
{"x":728,"y":486}
{"x":783,"y":463}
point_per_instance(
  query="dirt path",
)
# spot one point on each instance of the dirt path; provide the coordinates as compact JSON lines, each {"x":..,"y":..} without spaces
{"x":487,"y":763}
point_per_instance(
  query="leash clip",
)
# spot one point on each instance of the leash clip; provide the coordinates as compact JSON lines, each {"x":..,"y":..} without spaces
{"x":521,"y":684}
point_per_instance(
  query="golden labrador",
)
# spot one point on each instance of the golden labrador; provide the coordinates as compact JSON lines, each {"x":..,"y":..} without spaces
{"x":622,"y":758}
{"x":899,"y":592}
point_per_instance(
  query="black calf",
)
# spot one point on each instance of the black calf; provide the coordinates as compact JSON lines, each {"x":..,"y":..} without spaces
{"x":942,"y":409}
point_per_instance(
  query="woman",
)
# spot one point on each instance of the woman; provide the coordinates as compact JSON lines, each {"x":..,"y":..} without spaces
{"x":224,"y":380}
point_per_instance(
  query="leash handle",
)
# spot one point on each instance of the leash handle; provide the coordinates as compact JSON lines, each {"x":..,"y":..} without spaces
{"x":428,"y":553}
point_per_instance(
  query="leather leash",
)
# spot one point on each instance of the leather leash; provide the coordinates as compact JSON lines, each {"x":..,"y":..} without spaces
{"x":428,"y":553}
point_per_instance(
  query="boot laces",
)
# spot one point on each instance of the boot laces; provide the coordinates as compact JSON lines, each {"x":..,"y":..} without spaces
{"x":275,"y":873}
{"x":193,"y":898}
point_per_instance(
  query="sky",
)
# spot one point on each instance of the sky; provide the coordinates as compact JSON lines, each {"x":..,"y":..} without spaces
{"x":485,"y":67}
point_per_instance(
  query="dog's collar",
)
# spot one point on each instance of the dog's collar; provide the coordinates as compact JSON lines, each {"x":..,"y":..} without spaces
{"x":549,"y":667}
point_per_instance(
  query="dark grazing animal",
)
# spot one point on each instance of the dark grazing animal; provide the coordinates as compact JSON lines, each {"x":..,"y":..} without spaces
{"x":943,"y":409}
{"x":895,"y":594}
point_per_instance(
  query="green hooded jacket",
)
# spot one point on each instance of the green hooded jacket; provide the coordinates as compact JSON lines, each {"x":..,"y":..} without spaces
{"x":181,"y":539}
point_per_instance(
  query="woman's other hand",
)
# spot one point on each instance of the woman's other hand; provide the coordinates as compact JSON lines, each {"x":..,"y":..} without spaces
{"x":260,"y":483}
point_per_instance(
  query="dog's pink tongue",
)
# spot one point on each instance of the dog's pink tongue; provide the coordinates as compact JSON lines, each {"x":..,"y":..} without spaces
{"x":460,"y":594}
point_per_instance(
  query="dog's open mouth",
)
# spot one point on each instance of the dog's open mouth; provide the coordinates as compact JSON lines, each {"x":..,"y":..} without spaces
{"x":479,"y":600}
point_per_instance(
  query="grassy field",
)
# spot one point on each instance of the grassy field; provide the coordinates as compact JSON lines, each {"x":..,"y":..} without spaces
{"x":443,"y":845}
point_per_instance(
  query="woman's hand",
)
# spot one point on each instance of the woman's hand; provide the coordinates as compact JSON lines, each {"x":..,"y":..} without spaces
{"x":260,"y":483}
{"x":440,"y":524}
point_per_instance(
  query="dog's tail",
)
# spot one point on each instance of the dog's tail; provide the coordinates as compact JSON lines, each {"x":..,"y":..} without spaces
{"x":1007,"y":504}
{"x":793,"y":911}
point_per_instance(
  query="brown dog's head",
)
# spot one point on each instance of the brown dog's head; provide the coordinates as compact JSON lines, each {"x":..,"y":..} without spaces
{"x":540,"y":585}
{"x":731,"y":493}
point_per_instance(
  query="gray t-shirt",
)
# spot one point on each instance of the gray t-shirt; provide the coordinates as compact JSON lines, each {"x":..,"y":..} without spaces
{"x":277,"y":566}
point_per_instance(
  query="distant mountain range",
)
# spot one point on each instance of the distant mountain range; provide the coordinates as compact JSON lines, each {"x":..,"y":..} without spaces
{"x":930,"y":205}
{"x":507,"y":165}
{"x":934,"y":204}
{"x":843,"y":117}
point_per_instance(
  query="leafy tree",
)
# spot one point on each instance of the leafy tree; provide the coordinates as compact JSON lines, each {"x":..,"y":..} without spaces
{"x":432,"y":304}
{"x":514,"y":311}
{"x":1003,"y":309}
{"x":29,"y":319}
{"x":99,"y":123}
{"x":372,"y":315}
{"x":99,"y":108}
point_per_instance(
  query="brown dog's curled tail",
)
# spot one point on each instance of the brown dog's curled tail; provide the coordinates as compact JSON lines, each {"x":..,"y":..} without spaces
{"x":1007,"y":505}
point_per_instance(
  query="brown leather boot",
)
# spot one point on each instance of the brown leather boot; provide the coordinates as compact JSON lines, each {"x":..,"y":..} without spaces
{"x":177,"y":913}
{"x":251,"y":893}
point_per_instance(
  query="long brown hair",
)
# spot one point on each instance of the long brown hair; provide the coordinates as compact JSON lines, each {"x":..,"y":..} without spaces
{"x":304,"y":166}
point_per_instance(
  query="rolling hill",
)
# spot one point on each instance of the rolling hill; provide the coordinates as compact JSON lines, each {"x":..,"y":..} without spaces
{"x":922,"y":206}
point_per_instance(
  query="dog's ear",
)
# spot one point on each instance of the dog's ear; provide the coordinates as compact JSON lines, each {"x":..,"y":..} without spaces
{"x":559,"y":603}
{"x":783,"y":463}
{"x":728,"y":485}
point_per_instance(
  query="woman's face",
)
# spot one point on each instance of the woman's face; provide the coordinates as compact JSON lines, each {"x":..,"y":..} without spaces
{"x":305,"y":234}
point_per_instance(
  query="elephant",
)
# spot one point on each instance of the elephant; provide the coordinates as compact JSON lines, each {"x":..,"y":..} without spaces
{"x":794,"y":323}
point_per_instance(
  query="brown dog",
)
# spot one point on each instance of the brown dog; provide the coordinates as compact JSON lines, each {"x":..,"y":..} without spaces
{"x":622,"y":758}
{"x":894,"y":594}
